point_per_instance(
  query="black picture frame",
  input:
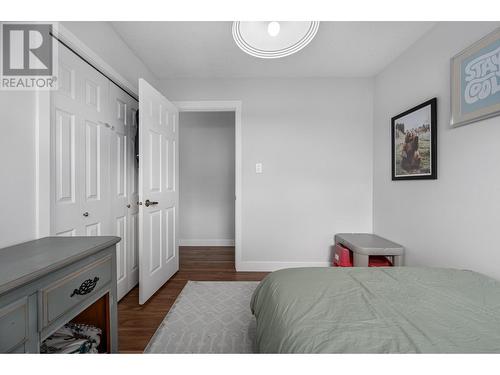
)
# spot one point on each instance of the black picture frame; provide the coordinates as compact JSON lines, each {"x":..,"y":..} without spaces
{"x":414,"y":167}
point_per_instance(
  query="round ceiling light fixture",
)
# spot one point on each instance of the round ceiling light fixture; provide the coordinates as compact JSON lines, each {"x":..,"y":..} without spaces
{"x":273,"y":28}
{"x":272,"y":40}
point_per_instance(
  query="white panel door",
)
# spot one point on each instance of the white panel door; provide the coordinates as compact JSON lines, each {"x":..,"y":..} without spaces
{"x":80,"y":156}
{"x":124,"y":199}
{"x":95,"y":138}
{"x":158,"y":190}
{"x":133,"y":206}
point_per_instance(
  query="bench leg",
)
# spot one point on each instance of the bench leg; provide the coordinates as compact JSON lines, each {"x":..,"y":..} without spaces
{"x":360,"y":260}
{"x":397,"y":260}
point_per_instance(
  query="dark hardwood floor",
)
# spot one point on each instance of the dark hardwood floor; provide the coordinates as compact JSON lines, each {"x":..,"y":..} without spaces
{"x":136,"y":323}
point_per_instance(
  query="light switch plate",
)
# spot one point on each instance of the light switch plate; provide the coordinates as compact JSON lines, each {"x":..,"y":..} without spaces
{"x":258,"y":168}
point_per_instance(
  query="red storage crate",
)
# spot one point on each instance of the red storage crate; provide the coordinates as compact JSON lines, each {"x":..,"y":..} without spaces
{"x":379,"y":261}
{"x":342,"y":256}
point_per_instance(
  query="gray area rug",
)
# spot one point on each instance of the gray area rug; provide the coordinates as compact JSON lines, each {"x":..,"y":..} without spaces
{"x":208,"y":317}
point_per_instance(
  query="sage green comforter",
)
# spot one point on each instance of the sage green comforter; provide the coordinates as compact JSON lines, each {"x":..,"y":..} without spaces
{"x":377,"y":310}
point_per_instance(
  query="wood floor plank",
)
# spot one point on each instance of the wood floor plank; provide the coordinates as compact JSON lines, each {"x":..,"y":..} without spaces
{"x":137,"y":324}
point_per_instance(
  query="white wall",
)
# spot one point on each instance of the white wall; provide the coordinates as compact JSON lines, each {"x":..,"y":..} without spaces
{"x":207,"y":178}
{"x":314,"y":138}
{"x":18,"y":132}
{"x":17,"y":167}
{"x":452,"y":221}
{"x":105,"y":42}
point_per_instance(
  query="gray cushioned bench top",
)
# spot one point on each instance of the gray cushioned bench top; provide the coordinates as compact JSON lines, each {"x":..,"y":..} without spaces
{"x":368,"y":244}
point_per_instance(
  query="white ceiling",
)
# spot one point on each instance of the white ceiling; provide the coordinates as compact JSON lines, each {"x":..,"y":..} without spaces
{"x":207,"y":49}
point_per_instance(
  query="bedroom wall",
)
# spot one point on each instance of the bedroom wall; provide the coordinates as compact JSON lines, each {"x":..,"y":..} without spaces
{"x":17,"y":169}
{"x":314,"y":138}
{"x":206,"y":178}
{"x":18,"y":127}
{"x":452,"y":221}
{"x":102,"y":38}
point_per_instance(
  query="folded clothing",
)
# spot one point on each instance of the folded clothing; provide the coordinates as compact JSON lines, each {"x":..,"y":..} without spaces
{"x":73,"y":338}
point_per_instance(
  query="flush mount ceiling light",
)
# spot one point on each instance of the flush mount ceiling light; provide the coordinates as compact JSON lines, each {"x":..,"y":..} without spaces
{"x":271,"y":40}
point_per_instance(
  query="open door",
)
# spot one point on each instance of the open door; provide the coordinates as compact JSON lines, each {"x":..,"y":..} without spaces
{"x":158,"y":190}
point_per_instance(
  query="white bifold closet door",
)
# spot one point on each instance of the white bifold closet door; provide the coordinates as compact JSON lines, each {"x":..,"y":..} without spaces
{"x":80,"y":144}
{"x":124,"y":194}
{"x":95,"y":179}
{"x":158,"y":190}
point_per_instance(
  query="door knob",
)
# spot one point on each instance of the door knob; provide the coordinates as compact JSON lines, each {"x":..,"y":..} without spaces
{"x":149,"y":203}
{"x":86,"y":214}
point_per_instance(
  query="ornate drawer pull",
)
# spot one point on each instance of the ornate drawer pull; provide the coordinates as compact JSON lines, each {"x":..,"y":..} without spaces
{"x":86,"y":287}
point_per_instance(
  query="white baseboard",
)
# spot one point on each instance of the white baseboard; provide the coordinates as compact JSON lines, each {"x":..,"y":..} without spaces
{"x":246,"y":266}
{"x":216,"y":242}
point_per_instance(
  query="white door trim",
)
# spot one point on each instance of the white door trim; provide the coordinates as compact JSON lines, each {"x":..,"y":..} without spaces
{"x":226,"y":106}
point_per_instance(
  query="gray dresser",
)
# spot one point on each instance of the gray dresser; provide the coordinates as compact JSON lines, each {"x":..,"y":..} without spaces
{"x":49,"y":282}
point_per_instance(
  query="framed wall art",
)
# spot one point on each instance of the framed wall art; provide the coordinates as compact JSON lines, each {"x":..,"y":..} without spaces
{"x":475,"y":81}
{"x":414,"y":143}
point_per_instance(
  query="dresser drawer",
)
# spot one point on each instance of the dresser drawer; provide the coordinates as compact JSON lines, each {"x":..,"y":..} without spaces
{"x":73,"y":289}
{"x":13,"y":325}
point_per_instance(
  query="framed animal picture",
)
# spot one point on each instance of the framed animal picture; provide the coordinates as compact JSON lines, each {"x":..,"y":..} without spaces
{"x":475,"y":81}
{"x":414,"y":143}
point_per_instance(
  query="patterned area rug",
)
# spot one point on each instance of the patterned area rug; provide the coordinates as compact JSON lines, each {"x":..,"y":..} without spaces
{"x":208,"y":317}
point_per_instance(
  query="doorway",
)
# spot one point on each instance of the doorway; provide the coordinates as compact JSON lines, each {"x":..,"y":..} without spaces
{"x":210,"y":174}
{"x":206,"y":179}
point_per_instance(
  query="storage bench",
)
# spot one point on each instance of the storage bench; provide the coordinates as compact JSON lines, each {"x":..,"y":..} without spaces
{"x":364,"y":245}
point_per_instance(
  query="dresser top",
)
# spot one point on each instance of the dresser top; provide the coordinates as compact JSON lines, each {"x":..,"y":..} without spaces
{"x":23,"y":263}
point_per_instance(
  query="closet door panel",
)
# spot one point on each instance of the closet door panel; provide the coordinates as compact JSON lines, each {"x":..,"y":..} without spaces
{"x":81,"y":149}
{"x":96,"y":135}
{"x":93,"y":229}
{"x":123,"y":189}
{"x":68,"y":233}
{"x":121,"y":249}
{"x":66,"y":151}
{"x":92,"y":161}
{"x":67,"y":78}
{"x":65,"y":154}
{"x":133,"y":209}
{"x":119,"y":201}
{"x":134,"y":245}
{"x":93,"y":94}
{"x":120,"y":174}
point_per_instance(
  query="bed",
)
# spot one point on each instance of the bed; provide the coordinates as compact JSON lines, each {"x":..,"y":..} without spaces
{"x":377,"y":310}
